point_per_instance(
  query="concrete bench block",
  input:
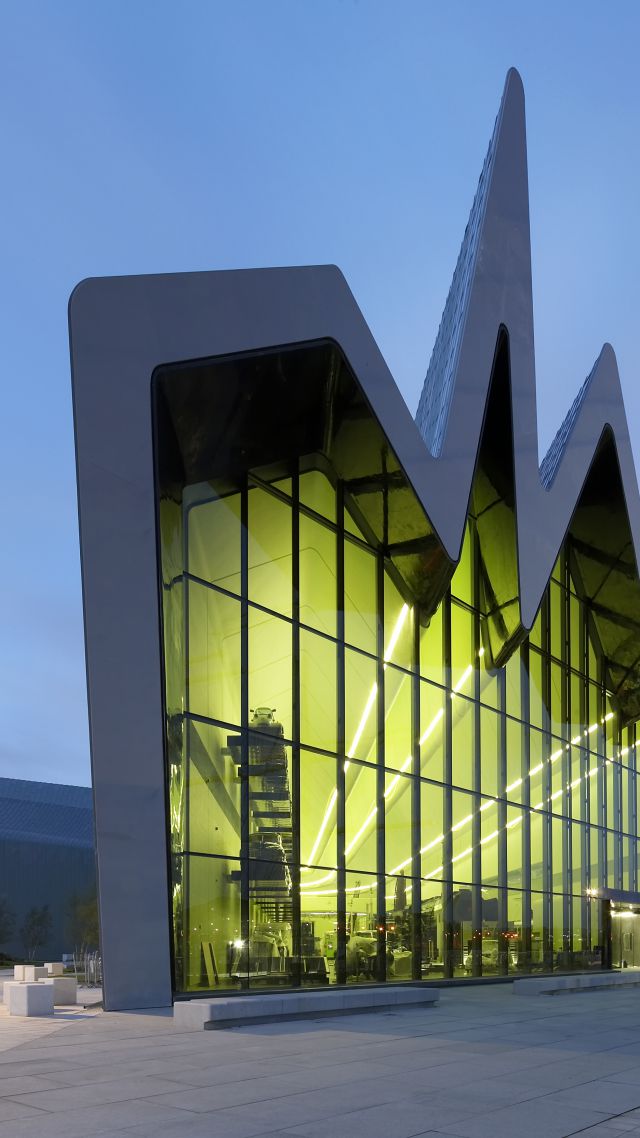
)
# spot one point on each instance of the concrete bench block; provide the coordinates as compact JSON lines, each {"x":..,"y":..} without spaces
{"x":18,"y":972}
{"x":55,"y":968}
{"x":548,"y":985}
{"x":33,"y":972}
{"x":194,"y":1015}
{"x":190,"y":1015}
{"x":64,"y":988}
{"x":311,"y":1002}
{"x":25,"y":998}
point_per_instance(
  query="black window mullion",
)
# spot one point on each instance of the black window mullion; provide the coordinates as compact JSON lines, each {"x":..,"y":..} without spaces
{"x":416,"y":821}
{"x":381,"y":945}
{"x":476,"y":824}
{"x":341,"y":914}
{"x":447,"y":845}
{"x":245,"y":915}
{"x":297,"y":963}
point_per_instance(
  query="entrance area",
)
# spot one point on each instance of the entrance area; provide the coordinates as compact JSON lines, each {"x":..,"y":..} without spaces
{"x":625,"y":935}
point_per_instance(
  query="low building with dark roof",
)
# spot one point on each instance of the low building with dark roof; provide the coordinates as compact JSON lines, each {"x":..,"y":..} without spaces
{"x":46,"y":857}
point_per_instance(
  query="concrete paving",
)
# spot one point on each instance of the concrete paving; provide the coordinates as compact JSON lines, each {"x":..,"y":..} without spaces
{"x":482,"y":1063}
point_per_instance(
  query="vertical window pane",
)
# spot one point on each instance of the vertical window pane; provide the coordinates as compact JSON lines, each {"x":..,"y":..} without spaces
{"x":362,"y":931}
{"x":317,"y":492}
{"x":214,"y":654}
{"x":270,"y":666}
{"x":210,"y":950}
{"x":360,"y":619}
{"x":489,"y":831}
{"x":431,"y":657}
{"x":318,"y":694}
{"x":463,"y":808}
{"x":318,"y":597}
{"x":462,"y":658}
{"x":514,"y":847}
{"x":269,"y":551}
{"x":317,"y":810}
{"x":462,"y":581}
{"x":462,"y":741}
{"x":432,"y":731}
{"x":213,"y":790}
{"x":398,"y":626}
{"x":213,"y":541}
{"x":397,"y":697}
{"x":361,"y":818}
{"x":489,"y":750}
{"x":397,"y":801}
{"x":431,"y":817}
{"x":361,"y":690}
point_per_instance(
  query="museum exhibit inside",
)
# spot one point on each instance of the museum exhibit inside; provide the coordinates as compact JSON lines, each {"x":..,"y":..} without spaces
{"x":363,"y":690}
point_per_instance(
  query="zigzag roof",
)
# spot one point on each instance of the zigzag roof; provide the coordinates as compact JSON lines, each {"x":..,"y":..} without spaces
{"x":477,"y":416}
{"x":491,"y":296}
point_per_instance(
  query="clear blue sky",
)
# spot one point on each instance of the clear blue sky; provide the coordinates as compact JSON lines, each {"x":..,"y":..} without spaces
{"x":151,"y":136}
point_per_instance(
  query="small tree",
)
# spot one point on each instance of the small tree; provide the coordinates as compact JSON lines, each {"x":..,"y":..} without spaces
{"x":7,"y":921}
{"x":36,"y":929}
{"x":82,"y":922}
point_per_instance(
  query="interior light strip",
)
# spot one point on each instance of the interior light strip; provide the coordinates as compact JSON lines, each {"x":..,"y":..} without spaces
{"x":439,"y":714}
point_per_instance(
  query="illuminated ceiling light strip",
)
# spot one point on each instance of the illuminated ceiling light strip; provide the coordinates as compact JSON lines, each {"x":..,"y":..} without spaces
{"x":392,"y":785}
{"x":317,"y":881}
{"x":404,"y":612}
{"x":363,"y":722}
{"x":431,"y":845}
{"x":459,"y":825}
{"x":365,"y":824}
{"x":432,"y":726}
{"x":463,"y":679}
{"x":489,"y":837}
{"x":323,"y":825}
{"x":395,"y":635}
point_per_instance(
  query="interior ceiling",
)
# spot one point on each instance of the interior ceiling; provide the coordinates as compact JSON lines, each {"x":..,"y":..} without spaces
{"x":267,"y":410}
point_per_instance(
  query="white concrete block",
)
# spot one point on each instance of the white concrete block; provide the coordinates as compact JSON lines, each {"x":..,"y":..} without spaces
{"x":18,"y":971}
{"x":28,"y":999}
{"x":55,"y":968}
{"x":34,"y":972}
{"x":64,"y":988}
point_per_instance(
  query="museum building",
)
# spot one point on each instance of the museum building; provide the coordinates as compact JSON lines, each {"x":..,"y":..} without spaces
{"x":363,"y":690}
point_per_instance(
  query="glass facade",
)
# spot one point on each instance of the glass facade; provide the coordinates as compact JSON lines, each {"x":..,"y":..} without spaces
{"x":354,"y":793}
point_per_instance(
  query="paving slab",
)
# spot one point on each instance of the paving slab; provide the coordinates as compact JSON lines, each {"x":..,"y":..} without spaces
{"x":469,"y":1067}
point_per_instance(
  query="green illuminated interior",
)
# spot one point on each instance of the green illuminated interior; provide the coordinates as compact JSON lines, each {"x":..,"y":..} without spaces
{"x":354,"y":795}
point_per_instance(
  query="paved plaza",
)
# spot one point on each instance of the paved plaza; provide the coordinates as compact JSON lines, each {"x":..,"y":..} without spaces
{"x":483,"y":1063}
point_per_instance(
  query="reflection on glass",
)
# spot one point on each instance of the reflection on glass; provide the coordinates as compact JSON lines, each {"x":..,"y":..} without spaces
{"x":289,"y":685}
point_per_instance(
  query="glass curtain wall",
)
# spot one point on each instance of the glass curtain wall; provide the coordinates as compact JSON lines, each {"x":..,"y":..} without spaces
{"x":353,"y":795}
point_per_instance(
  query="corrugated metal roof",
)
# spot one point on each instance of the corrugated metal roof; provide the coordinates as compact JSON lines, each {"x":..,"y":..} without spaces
{"x":46,"y":812}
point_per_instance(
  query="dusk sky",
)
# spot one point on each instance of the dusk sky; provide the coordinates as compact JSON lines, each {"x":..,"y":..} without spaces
{"x":143,"y":136}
